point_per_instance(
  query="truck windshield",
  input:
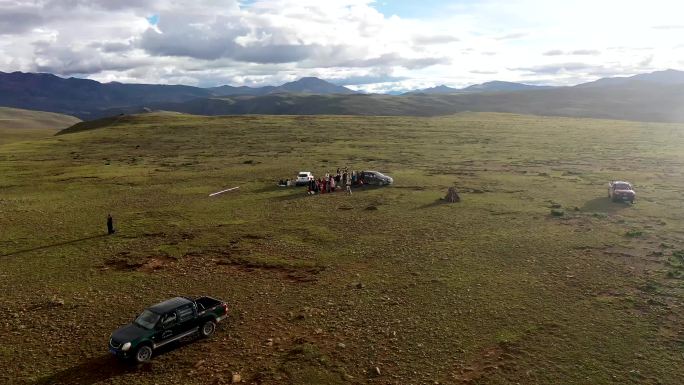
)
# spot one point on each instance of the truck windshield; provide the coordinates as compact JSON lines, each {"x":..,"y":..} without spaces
{"x":147,"y":319}
{"x":622,"y":186}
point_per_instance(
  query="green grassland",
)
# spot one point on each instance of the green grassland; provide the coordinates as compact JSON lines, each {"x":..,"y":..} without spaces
{"x":492,"y":290}
{"x":19,"y":125}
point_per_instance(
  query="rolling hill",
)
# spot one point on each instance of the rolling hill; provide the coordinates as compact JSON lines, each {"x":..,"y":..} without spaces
{"x":80,"y":97}
{"x":17,"y":124}
{"x":14,"y":118}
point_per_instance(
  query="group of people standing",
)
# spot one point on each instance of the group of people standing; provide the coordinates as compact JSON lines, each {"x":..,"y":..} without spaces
{"x":333,"y":182}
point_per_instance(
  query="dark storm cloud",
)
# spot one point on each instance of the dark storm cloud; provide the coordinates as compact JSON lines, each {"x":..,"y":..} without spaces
{"x":15,"y":23}
{"x":216,"y":38}
{"x":17,"y":18}
{"x":215,"y":46}
{"x":67,"y":61}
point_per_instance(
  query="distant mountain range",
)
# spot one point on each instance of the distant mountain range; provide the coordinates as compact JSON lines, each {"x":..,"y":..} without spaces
{"x":309,"y":85}
{"x":495,"y":86}
{"x":657,"y":96}
{"x":87,"y":98}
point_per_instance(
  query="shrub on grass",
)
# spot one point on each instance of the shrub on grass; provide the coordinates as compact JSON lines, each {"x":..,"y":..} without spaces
{"x":678,"y":256}
{"x":557,"y":213}
{"x":634,"y":233}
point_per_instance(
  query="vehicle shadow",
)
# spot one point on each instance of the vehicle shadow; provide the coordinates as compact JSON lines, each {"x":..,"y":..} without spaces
{"x":105,"y":367}
{"x":91,"y":371}
{"x":290,"y":197}
{"x":603,"y":205}
{"x":436,"y":203}
{"x":300,"y":192}
{"x":53,"y":245}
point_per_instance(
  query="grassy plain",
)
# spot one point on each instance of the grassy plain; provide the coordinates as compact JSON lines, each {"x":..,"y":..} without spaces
{"x":18,"y":125}
{"x":492,"y":290}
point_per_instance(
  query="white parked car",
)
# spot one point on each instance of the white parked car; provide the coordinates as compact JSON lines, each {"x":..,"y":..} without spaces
{"x":304,"y":177}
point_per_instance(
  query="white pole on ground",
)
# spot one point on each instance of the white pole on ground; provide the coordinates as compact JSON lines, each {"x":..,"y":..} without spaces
{"x":223,"y":191}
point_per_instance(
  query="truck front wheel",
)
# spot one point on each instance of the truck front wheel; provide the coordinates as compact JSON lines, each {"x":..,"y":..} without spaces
{"x":208,"y":329}
{"x":143,"y":354}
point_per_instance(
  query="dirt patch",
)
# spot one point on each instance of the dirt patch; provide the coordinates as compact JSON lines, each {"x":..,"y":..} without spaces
{"x":292,"y":272}
{"x":148,"y":265}
{"x":121,"y":264}
{"x":253,"y":236}
{"x":491,"y":359}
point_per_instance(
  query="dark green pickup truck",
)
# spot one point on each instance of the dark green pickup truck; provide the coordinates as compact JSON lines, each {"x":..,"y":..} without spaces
{"x":164,"y":323}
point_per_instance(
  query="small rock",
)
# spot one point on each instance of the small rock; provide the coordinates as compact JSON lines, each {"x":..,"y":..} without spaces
{"x":341,"y":345}
{"x":359,"y":285}
{"x":236,"y":378}
{"x":199,"y":363}
{"x":318,"y":331}
{"x":376,"y":371}
{"x":269,"y":342}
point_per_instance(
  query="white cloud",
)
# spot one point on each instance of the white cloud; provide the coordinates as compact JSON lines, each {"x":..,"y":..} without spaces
{"x":209,"y":42}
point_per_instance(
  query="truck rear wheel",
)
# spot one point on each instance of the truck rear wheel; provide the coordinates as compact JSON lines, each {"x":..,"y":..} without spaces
{"x":208,"y":328}
{"x":143,"y":354}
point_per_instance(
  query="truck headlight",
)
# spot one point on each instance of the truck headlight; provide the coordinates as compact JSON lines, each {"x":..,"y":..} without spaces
{"x":126,"y":346}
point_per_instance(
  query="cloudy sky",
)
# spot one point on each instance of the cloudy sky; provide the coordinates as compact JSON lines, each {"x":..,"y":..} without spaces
{"x":374,"y":46}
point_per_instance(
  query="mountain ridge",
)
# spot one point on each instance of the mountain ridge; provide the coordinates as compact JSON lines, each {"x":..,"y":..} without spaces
{"x":84,"y":97}
{"x":655,"y":96}
{"x":491,"y":86}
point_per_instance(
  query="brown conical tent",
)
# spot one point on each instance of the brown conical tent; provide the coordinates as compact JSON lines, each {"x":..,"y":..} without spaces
{"x":452,"y":195}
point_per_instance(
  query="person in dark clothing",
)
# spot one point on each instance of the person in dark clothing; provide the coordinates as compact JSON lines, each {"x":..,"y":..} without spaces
{"x":110,"y":224}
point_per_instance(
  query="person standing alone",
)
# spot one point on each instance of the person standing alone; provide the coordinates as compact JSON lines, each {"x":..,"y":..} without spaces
{"x":110,"y":224}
